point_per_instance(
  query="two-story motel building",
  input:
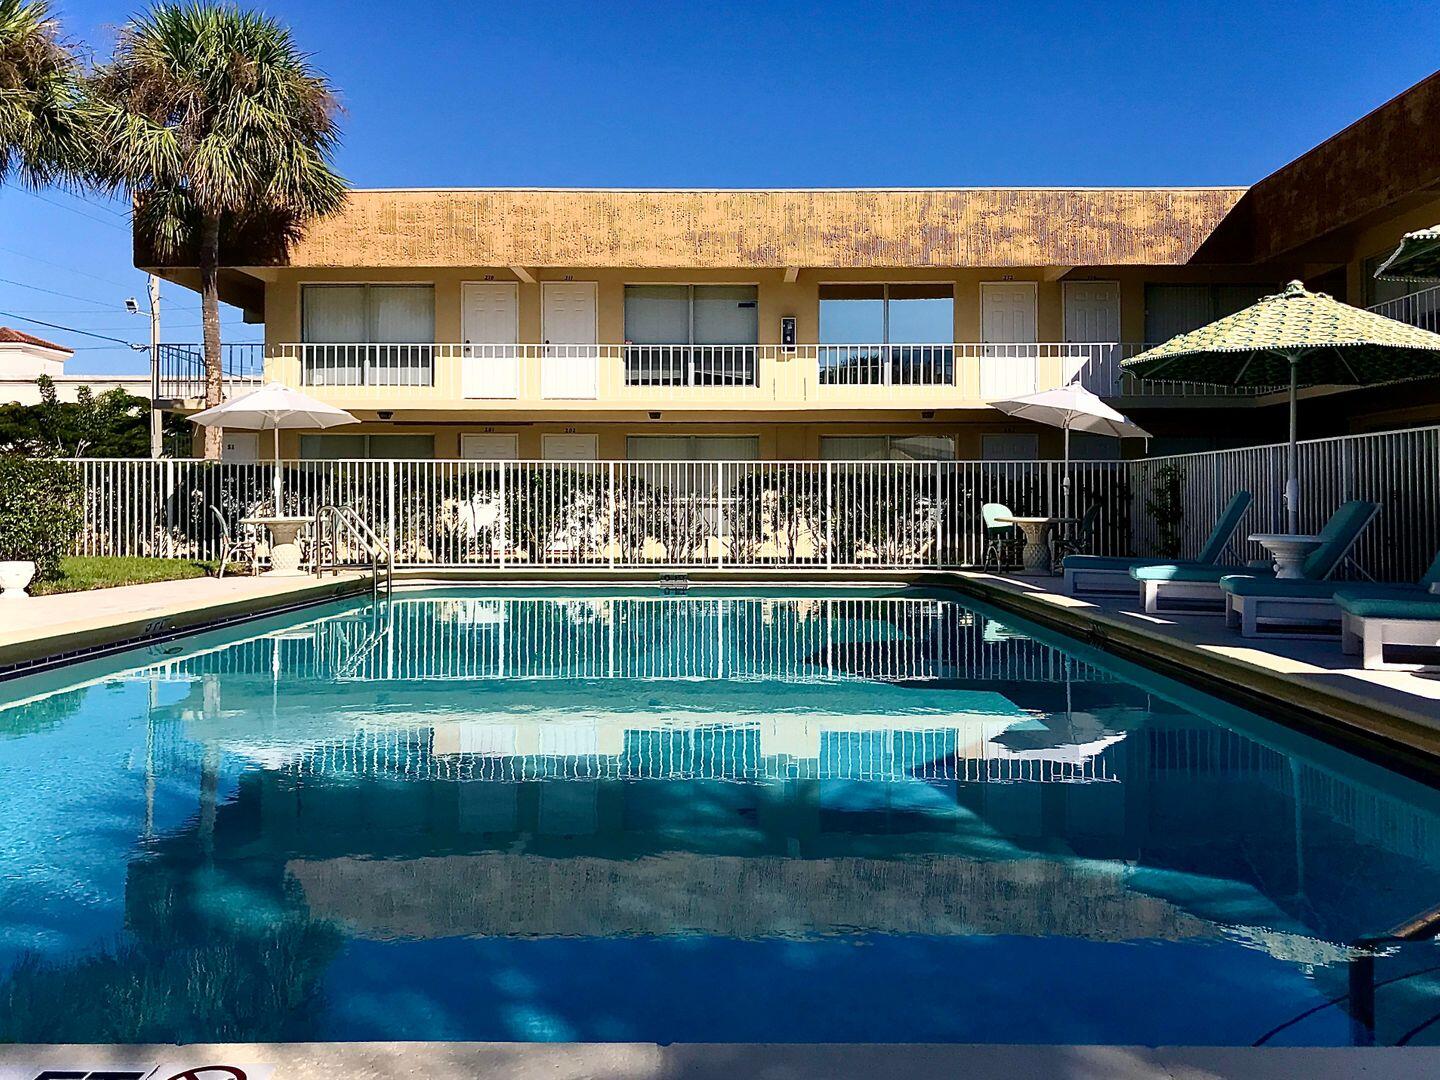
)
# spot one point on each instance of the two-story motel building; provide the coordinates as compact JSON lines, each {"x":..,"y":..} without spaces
{"x":811,"y":324}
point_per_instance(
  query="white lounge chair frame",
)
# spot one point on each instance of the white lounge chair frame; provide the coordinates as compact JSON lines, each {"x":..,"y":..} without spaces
{"x":1367,"y":637}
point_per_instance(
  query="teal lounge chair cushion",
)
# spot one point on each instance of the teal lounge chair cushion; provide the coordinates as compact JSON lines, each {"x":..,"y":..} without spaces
{"x":1280,"y":588}
{"x":1225,"y":526}
{"x":1194,"y":572}
{"x":1337,"y":538}
{"x":1420,"y":606}
{"x":1106,"y":562}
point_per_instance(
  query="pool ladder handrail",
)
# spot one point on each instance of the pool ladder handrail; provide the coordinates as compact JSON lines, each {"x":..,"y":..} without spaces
{"x":1360,"y":974}
{"x":380,"y":553}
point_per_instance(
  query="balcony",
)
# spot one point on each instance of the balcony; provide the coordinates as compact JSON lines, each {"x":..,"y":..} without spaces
{"x":849,"y":376}
{"x":180,"y":372}
{"x":1420,"y":308}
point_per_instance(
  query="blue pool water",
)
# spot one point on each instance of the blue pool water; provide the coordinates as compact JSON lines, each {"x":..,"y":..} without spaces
{"x":857,"y":816}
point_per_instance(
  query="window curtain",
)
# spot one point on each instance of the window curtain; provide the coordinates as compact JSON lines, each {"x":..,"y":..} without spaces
{"x":692,"y":447}
{"x":402,"y":314}
{"x":333,"y":314}
{"x":726,"y":315}
{"x":657,"y":314}
{"x":887,"y":448}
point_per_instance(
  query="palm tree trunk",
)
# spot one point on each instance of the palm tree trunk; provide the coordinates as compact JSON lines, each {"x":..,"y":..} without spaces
{"x":209,"y":261}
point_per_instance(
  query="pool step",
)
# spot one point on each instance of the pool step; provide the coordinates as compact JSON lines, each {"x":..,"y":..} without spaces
{"x":674,"y":584}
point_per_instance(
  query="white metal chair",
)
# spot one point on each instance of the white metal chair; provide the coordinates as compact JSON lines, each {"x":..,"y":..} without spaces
{"x":235,"y":546}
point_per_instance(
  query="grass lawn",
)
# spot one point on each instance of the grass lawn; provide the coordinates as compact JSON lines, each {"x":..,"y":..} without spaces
{"x":78,"y":574}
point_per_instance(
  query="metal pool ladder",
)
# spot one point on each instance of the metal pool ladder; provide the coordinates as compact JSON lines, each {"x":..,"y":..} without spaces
{"x":332,"y":523}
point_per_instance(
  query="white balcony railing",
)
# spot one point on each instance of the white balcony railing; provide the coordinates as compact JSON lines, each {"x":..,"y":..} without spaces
{"x":812,"y":373}
{"x":180,"y":371}
{"x":1420,"y":308}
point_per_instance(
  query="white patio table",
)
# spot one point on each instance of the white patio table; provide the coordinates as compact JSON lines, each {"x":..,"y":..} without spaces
{"x":285,"y":551}
{"x":1037,"y":557}
{"x":1289,"y":550}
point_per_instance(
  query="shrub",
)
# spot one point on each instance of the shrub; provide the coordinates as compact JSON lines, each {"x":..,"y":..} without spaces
{"x":41,"y":511}
{"x":1166,"y":505}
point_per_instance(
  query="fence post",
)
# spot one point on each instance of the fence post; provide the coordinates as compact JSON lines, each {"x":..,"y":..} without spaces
{"x":829,"y":515}
{"x":504,"y":515}
{"x":614,"y":540}
{"x":720,"y":515}
{"x":391,"y":500}
{"x":169,"y":512}
{"x":939,"y":518}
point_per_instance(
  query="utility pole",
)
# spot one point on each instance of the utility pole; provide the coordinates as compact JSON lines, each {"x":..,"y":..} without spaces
{"x":156,"y":416}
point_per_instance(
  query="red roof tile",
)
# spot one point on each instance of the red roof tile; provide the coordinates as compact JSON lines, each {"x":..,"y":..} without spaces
{"x":19,"y":337}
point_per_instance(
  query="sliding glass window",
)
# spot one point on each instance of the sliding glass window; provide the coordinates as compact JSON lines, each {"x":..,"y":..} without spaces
{"x":367,"y":335}
{"x":691,"y":335}
{"x":887,"y":334}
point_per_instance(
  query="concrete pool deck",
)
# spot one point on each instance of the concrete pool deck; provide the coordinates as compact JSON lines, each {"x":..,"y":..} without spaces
{"x":1391,"y":710}
{"x":48,"y":629}
{"x":692,"y":1061}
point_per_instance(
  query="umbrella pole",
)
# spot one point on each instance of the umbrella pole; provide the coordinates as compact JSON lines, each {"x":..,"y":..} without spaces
{"x":1065,"y":479}
{"x":1292,"y":463}
{"x":279,"y":479}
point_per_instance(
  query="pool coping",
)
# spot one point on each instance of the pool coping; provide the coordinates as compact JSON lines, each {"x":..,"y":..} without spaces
{"x":1381,"y":730}
{"x":47,"y":647}
{"x":718,"y":1061}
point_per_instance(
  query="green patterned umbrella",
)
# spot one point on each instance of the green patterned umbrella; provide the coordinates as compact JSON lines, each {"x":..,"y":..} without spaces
{"x":1416,"y":259}
{"x":1295,"y":338}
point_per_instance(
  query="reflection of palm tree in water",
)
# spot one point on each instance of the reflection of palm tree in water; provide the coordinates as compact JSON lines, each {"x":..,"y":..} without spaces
{"x":214,"y":954}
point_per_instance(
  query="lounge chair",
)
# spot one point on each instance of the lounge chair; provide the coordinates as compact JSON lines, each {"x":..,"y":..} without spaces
{"x":1368,"y":624}
{"x":1172,"y":587}
{"x":1289,"y":607}
{"x":1102,"y":575}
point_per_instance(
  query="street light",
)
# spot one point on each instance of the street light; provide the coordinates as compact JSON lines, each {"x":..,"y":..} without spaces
{"x":133,"y":307}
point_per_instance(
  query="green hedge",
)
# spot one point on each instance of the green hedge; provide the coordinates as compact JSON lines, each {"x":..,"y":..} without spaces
{"x":41,"y":511}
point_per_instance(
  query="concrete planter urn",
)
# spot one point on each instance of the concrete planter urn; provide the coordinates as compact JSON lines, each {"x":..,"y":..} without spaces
{"x":15,"y":575}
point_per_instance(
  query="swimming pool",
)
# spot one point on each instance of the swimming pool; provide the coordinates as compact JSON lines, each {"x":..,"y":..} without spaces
{"x":810,"y":816}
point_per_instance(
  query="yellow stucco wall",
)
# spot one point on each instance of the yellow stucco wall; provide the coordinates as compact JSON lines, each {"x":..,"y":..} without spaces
{"x":839,"y":228}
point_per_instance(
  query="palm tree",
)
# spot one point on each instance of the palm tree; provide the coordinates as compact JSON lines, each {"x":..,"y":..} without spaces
{"x":39,"y":121}
{"x":222,"y":132}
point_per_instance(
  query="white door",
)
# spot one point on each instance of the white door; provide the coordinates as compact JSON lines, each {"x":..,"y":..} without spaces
{"x":1007,"y":327}
{"x":490,"y":327}
{"x":570,"y":368}
{"x":570,"y":447}
{"x":241,"y":446}
{"x":1092,"y":315}
{"x":490,"y":447}
{"x":1010,"y":447}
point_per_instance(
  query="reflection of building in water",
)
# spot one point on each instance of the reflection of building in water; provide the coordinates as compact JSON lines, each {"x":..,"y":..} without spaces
{"x":786,"y":748}
{"x":656,"y":638}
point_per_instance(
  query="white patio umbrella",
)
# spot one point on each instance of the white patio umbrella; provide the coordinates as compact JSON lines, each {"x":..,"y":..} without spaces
{"x":272,"y":408}
{"x":1071,"y":408}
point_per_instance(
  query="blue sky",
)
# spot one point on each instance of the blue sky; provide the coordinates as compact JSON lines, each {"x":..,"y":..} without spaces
{"x":749,"y":95}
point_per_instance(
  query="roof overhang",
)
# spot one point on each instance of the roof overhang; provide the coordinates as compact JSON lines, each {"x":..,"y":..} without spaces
{"x":783,"y":230}
{"x":1312,"y":209}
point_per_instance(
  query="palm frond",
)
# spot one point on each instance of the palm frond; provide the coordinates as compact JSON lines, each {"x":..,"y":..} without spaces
{"x":218,"y":106}
{"x":41,"y":134}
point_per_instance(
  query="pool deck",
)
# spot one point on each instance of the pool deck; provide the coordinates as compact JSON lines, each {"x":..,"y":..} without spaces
{"x":1389,"y":710}
{"x":48,"y":629}
{"x":693,"y":1061}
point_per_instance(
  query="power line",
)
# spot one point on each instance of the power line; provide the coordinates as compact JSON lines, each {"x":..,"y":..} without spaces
{"x":72,"y":209}
{"x":67,"y":269}
{"x":54,"y":292}
{"x":70,"y":329}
